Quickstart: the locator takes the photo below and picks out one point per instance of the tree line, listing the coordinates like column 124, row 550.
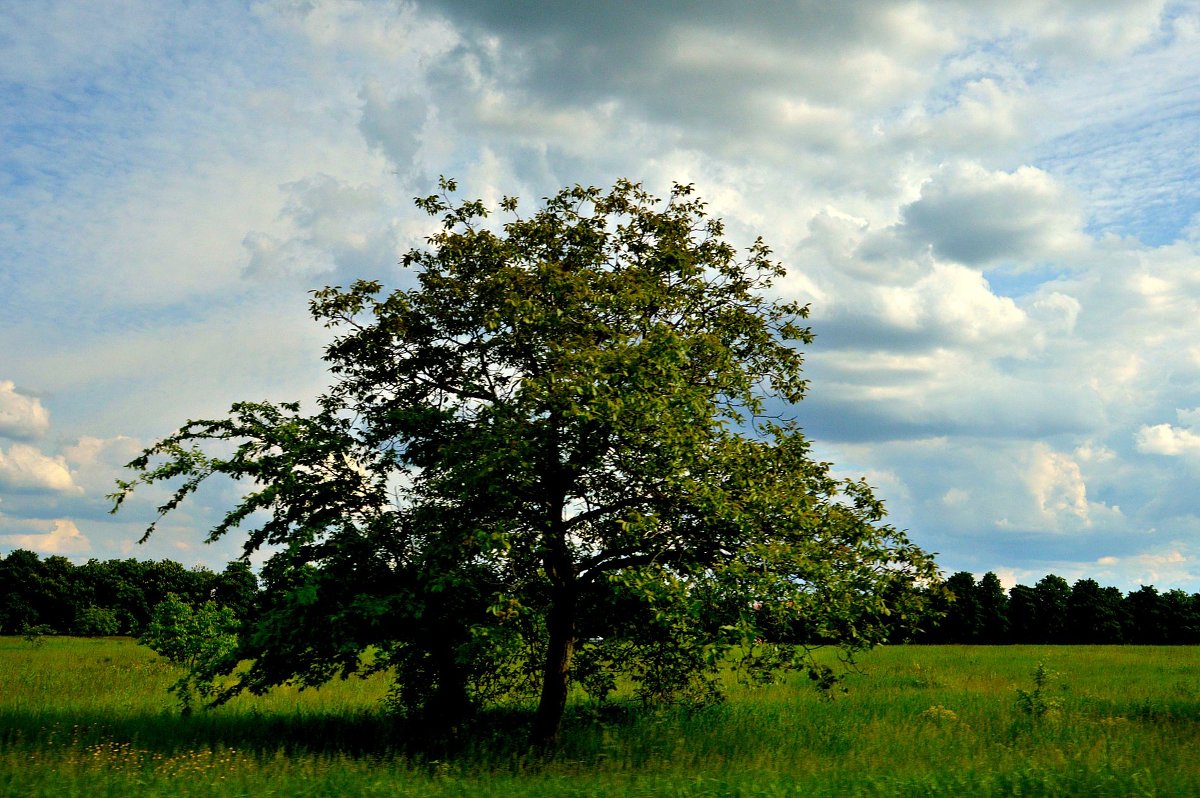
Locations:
column 1054, row 611
column 109, row 597
column 118, row 597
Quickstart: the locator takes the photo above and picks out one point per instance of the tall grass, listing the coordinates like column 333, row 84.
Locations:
column 92, row 718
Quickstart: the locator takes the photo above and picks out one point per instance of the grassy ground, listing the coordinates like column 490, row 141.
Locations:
column 91, row 718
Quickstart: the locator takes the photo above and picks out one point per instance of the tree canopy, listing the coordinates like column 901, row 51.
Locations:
column 567, row 451
column 111, row 596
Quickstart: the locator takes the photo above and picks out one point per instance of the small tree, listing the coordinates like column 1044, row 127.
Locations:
column 202, row 640
column 574, row 427
column 97, row 622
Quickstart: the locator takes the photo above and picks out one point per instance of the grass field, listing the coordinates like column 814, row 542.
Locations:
column 90, row 717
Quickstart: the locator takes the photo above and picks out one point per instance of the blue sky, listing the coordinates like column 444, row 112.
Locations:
column 993, row 208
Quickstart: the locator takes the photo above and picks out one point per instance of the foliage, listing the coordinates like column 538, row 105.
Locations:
column 108, row 597
column 576, row 426
column 202, row 640
column 97, row 622
column 1037, row 703
column 1095, row 614
column 993, row 609
column 962, row 619
column 1051, row 595
column 1052, row 612
column 34, row 635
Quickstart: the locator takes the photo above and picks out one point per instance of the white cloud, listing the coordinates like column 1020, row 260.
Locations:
column 21, row 417
column 986, row 120
column 60, row 536
column 333, row 226
column 1057, row 485
column 1167, row 568
column 97, row 463
column 1057, row 312
column 25, row 468
column 1168, row 440
column 956, row 497
column 975, row 216
column 1083, row 31
column 1164, row 567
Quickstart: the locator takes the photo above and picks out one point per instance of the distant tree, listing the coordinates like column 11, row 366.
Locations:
column 1180, row 618
column 1193, row 636
column 96, row 622
column 1146, row 619
column 20, row 591
column 993, row 609
column 584, row 407
column 117, row 586
column 962, row 623
column 1093, row 614
column 237, row 588
column 1051, row 594
column 1114, row 599
column 55, row 593
column 1024, row 625
column 36, row 592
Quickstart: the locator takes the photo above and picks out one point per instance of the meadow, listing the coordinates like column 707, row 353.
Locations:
column 90, row 717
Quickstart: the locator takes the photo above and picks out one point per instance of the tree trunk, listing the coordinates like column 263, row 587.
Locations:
column 560, row 624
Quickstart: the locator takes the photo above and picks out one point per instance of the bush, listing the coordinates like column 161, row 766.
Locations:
column 200, row 639
column 97, row 622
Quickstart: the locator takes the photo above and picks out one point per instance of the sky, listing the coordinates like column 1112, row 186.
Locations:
column 993, row 209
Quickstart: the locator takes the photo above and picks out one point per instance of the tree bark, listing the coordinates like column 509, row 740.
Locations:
column 563, row 577
column 560, row 626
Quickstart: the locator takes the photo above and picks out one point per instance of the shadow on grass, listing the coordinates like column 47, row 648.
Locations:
column 495, row 735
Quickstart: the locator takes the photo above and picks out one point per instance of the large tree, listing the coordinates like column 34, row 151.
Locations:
column 566, row 451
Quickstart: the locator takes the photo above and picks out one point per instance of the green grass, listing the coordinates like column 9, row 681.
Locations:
column 91, row 718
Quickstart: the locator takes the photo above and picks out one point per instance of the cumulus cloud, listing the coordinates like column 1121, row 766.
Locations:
column 974, row 216
column 25, row 468
column 59, row 536
column 1062, row 32
column 1164, row 567
column 1057, row 485
column 1168, row 440
column 21, row 417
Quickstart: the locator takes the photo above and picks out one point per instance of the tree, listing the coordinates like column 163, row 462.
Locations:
column 200, row 639
column 1051, row 594
column 1146, row 620
column 1181, row 618
column 36, row 592
column 20, row 591
column 237, row 588
column 570, row 438
column 96, row 622
column 962, row 622
column 993, row 609
column 1024, row 624
column 1093, row 614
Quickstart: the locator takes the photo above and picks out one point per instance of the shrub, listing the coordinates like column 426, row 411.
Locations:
column 97, row 622
column 200, row 639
